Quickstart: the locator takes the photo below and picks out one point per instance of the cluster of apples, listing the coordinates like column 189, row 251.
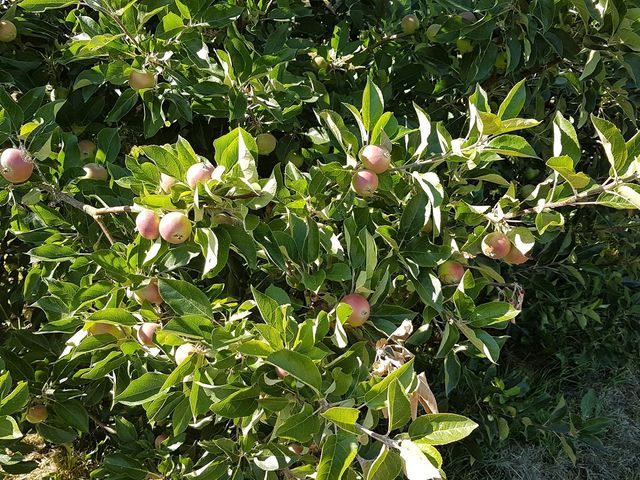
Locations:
column 375, row 159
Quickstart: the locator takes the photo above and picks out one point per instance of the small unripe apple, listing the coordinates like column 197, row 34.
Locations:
column 8, row 31
column 432, row 31
column 139, row 80
column 266, row 143
column 99, row 328
column 167, row 182
column 37, row 414
column 183, row 352
column 451, row 272
column 59, row 93
column 150, row 293
column 496, row 245
column 501, row 62
column 175, row 227
column 464, row 45
column 146, row 332
column 360, row 309
column 365, row 182
column 531, row 173
column 468, row 17
column 295, row 158
column 320, row 63
column 281, row 372
column 87, row 149
column 93, row 171
column 15, row 165
column 148, row 224
column 198, row 173
column 159, row 439
column 375, row 158
column 515, row 257
column 428, row 227
column 410, row 24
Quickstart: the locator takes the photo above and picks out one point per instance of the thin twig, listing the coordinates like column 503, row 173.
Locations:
column 102, row 425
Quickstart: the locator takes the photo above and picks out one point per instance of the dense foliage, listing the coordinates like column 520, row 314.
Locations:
column 282, row 239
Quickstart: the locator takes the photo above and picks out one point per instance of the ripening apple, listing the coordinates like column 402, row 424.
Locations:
column 451, row 272
column 375, row 158
column 146, row 332
column 295, row 158
column 365, row 182
column 148, row 224
column 167, row 182
column 142, row 79
column 501, row 62
column 496, row 245
column 266, row 143
column 99, row 328
column 8, row 31
column 515, row 257
column 296, row 448
column 159, row 440
column 360, row 309
column 198, row 173
column 15, row 165
column 37, row 414
column 281, row 372
column 93, row 171
column 175, row 227
column 468, row 17
column 150, row 293
column 410, row 24
column 320, row 63
column 464, row 45
column 87, row 149
column 183, row 352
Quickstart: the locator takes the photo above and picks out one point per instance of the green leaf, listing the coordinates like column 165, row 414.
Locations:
column 73, row 414
column 184, row 297
column 441, row 428
column 16, row 400
column 512, row 105
column 123, row 105
column 240, row 403
column 564, row 166
column 299, row 366
column 399, row 406
column 624, row 196
column 546, row 220
column 344, row 418
column 425, row 130
column 108, row 145
column 214, row 249
column 415, row 464
column 117, row 316
column 450, row 337
column 386, row 466
column 376, row 398
column 41, row 5
column 53, row 253
column 510, row 145
column 142, row 389
column 565, row 140
column 269, row 309
column 9, row 429
column 299, row 427
column 372, row 104
column 338, row 452
column 613, row 143
column 484, row 342
column 494, row 312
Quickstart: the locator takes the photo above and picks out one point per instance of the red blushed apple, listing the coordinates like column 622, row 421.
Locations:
column 8, row 31
column 139, row 80
column 37, row 414
column 197, row 173
column 175, row 228
column 15, row 165
column 451, row 272
column 159, row 440
column 146, row 332
column 87, row 149
column 150, row 293
column 266, row 143
column 296, row 448
column 496, row 245
column 410, row 24
column 281, row 372
column 183, row 352
column 93, row 171
column 167, row 182
column 148, row 224
column 375, row 158
column 365, row 182
column 360, row 309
